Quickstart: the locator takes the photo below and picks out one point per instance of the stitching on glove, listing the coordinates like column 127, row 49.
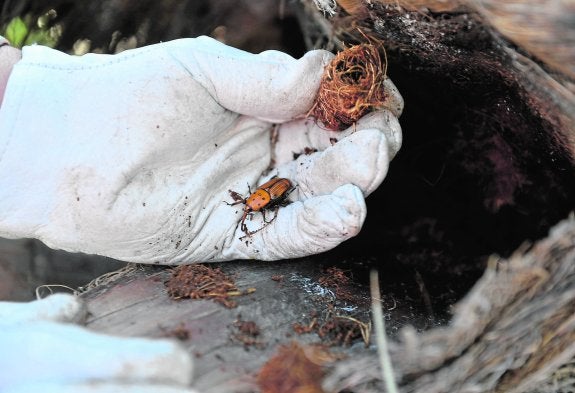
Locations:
column 11, row 116
column 116, row 59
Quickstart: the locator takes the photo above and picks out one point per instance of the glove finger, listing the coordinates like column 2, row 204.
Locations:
column 60, row 352
column 304, row 227
column 59, row 307
column 94, row 387
column 304, row 136
column 361, row 159
column 393, row 99
column 271, row 86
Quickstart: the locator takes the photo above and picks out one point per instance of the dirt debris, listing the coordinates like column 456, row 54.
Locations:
column 335, row 330
column 199, row 281
column 248, row 333
column 306, row 151
column 278, row 278
column 180, row 332
column 339, row 281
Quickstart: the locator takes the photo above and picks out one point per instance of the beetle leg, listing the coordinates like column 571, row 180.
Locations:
column 234, row 203
column 249, row 234
column 290, row 191
column 237, row 197
column 266, row 223
column 243, row 222
column 284, row 201
column 276, row 210
column 275, row 215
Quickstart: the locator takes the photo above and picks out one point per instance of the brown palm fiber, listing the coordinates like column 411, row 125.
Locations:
column 351, row 86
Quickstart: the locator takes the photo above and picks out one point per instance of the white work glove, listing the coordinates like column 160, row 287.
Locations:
column 42, row 351
column 131, row 156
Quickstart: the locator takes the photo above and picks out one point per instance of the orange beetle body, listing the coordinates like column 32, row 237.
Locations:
column 272, row 193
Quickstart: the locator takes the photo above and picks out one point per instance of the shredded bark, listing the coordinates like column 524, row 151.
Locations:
column 202, row 282
column 514, row 331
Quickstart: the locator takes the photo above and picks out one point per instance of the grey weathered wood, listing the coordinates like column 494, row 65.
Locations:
column 137, row 304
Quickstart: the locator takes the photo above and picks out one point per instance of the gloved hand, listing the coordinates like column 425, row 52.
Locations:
column 132, row 155
column 43, row 351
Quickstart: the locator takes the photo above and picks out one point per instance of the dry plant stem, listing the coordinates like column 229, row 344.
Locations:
column 49, row 287
column 110, row 277
column 351, row 86
column 364, row 328
column 380, row 338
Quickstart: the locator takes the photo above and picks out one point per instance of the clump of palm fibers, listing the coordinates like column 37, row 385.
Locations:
column 351, row 86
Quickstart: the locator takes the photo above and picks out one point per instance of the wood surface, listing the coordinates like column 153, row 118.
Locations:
column 137, row 305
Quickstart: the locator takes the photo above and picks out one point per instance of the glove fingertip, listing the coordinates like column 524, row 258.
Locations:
column 61, row 307
column 305, row 228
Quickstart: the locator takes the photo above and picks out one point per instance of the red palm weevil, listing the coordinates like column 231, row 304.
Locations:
column 270, row 195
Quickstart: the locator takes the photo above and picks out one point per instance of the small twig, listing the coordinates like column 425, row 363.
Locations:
column 425, row 295
column 380, row 337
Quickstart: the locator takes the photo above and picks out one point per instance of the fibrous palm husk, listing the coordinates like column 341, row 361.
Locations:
column 351, row 86
column 514, row 331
